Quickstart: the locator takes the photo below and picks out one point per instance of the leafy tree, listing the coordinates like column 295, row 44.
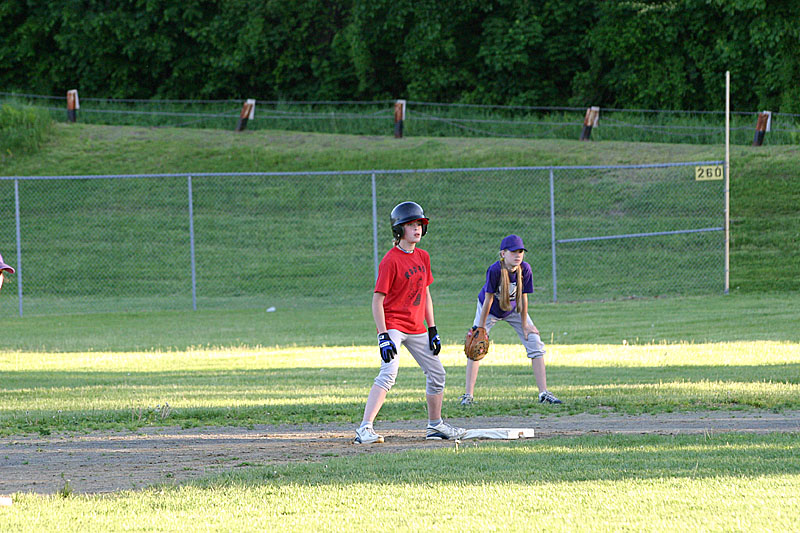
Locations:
column 669, row 54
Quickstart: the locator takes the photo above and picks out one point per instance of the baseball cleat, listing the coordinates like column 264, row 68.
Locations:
column 548, row 397
column 367, row 435
column 444, row 431
column 467, row 400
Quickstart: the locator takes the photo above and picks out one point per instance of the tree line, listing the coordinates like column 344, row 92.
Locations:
column 652, row 54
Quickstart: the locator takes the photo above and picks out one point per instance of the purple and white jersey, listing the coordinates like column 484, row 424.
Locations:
column 492, row 286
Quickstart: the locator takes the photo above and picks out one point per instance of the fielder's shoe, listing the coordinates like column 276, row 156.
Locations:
column 466, row 400
column 367, row 435
column 443, row 431
column 548, row 397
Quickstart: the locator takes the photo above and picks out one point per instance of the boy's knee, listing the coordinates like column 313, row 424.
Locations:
column 433, row 389
column 386, row 381
column 435, row 380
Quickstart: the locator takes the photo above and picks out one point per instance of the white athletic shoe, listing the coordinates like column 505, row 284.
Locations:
column 443, row 430
column 548, row 397
column 367, row 435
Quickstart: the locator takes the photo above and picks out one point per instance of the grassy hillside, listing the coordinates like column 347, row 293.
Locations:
column 764, row 199
column 86, row 149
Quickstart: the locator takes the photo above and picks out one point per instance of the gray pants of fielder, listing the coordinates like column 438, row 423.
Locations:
column 420, row 349
column 533, row 343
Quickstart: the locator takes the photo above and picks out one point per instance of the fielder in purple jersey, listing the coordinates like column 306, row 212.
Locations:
column 3, row 269
column 504, row 296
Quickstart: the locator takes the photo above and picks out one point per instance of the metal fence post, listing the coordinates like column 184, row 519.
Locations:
column 191, row 246
column 553, row 236
column 727, row 186
column 19, row 247
column 374, row 226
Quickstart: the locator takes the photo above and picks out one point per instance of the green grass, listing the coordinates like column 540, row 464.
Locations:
column 71, row 391
column 705, row 319
column 23, row 129
column 91, row 149
column 75, row 373
column 635, row 483
column 606, row 483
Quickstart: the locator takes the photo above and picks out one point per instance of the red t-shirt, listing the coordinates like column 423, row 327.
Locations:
column 404, row 278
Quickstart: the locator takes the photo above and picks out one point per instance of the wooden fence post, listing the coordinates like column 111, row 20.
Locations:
column 763, row 125
column 399, row 117
column 72, row 105
column 248, row 113
column 590, row 121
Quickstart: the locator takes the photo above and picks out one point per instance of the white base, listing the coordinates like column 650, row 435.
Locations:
column 499, row 433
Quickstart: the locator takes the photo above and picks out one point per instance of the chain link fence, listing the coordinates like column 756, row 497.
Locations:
column 214, row 241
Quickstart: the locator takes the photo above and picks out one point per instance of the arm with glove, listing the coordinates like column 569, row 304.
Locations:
column 386, row 346
column 476, row 343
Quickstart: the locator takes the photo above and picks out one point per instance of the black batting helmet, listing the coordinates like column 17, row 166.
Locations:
column 407, row 212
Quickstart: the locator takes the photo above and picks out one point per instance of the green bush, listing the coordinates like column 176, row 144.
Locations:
column 23, row 129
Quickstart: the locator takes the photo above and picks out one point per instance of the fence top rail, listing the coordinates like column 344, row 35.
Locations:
column 358, row 172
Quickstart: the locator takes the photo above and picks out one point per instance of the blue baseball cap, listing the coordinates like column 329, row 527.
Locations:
column 4, row 266
column 512, row 242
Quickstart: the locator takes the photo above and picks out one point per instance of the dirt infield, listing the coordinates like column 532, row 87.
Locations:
column 102, row 462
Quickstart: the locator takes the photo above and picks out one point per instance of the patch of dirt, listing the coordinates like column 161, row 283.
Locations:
column 104, row 461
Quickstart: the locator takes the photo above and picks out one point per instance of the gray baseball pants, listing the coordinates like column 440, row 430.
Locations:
column 533, row 343
column 419, row 348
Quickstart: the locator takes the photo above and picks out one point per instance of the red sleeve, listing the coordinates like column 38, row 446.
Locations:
column 386, row 274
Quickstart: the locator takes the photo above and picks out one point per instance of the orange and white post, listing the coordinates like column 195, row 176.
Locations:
column 248, row 113
column 73, row 104
column 399, row 117
column 591, row 120
column 763, row 125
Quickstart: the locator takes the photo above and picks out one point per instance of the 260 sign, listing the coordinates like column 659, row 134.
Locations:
column 709, row 172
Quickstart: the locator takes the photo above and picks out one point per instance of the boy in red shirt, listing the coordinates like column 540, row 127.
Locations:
column 401, row 305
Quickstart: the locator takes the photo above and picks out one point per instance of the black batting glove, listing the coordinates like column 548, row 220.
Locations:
column 434, row 341
column 387, row 347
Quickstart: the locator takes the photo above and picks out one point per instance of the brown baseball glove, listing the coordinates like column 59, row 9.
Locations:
column 476, row 345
